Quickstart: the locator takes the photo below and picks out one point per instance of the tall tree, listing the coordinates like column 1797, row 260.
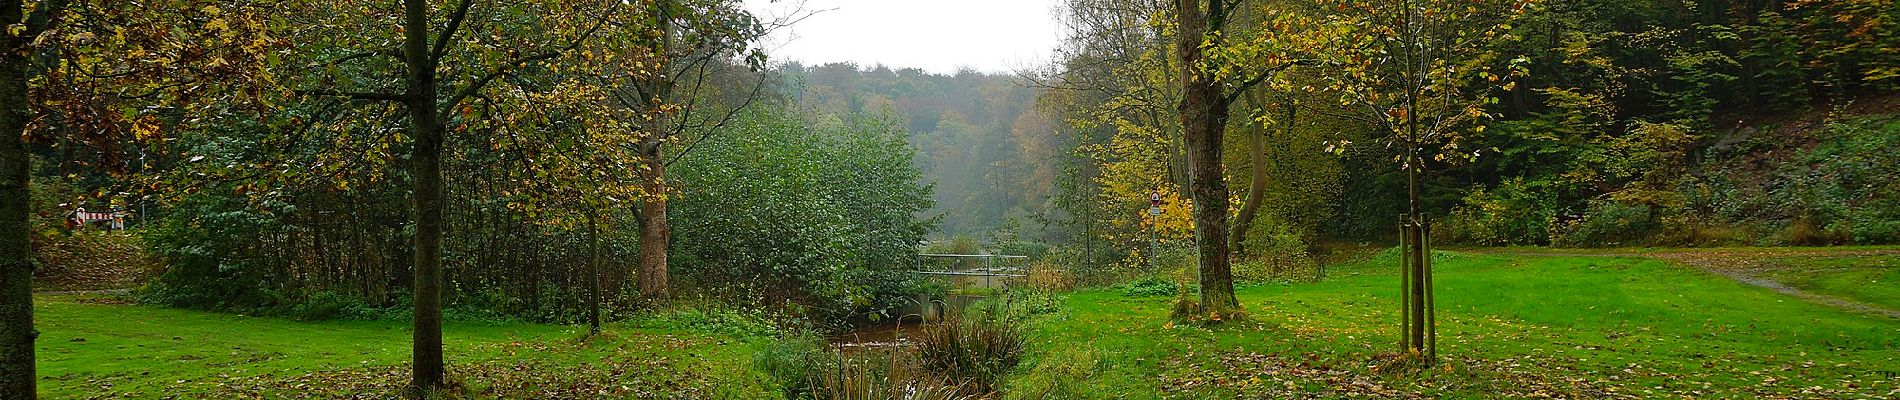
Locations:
column 16, row 256
column 692, row 40
column 534, row 38
column 1214, row 74
column 100, row 74
column 1421, row 71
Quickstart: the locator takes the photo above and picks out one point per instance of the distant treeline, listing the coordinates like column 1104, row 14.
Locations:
column 992, row 154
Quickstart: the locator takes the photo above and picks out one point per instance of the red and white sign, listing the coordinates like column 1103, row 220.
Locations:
column 115, row 220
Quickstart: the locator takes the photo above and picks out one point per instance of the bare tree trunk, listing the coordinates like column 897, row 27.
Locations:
column 17, row 370
column 425, row 168
column 1419, row 284
column 593, row 270
column 1203, row 119
column 16, row 257
column 1415, row 244
column 1256, row 185
column 654, row 231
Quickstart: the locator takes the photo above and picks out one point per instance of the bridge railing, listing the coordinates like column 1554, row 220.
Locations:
column 988, row 265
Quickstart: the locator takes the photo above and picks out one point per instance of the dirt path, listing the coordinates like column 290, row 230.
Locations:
column 85, row 292
column 1746, row 266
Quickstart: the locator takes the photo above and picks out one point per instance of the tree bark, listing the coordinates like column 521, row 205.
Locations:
column 16, row 257
column 1256, row 186
column 1203, row 111
column 1419, row 290
column 654, row 231
column 425, row 168
column 17, row 334
column 593, row 271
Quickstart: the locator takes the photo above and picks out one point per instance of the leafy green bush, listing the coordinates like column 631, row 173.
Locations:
column 818, row 217
column 1275, row 252
column 1151, row 286
column 1513, row 213
column 1847, row 186
column 328, row 306
column 1608, row 224
column 205, row 269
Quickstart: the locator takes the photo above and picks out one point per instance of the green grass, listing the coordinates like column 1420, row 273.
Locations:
column 1510, row 326
column 93, row 350
column 1869, row 279
column 1743, row 250
column 1587, row 326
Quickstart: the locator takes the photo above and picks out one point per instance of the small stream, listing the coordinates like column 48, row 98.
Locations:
column 878, row 336
column 899, row 333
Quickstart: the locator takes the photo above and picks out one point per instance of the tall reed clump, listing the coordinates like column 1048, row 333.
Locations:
column 973, row 352
column 805, row 369
column 889, row 375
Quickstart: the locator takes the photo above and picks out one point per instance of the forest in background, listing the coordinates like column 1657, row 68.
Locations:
column 1628, row 123
column 593, row 161
column 992, row 155
column 1573, row 123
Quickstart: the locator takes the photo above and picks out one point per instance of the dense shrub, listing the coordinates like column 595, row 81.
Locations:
column 816, row 217
column 208, row 266
column 1848, row 184
column 1513, row 213
column 1047, row 275
column 1151, row 286
column 230, row 247
column 1085, row 265
column 328, row 306
column 1607, row 224
column 1276, row 252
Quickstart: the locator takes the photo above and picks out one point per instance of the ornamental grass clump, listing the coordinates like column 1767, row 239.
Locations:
column 973, row 352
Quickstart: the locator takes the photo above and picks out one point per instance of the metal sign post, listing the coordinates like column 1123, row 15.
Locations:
column 1154, row 227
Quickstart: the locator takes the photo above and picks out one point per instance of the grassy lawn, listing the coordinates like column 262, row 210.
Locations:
column 1510, row 326
column 90, row 348
column 1869, row 279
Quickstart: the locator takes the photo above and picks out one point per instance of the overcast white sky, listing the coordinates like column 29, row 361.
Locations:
column 936, row 35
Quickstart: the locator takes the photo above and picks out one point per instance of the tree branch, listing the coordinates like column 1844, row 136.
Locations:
column 362, row 55
column 375, row 96
column 455, row 23
column 756, row 88
column 517, row 63
column 43, row 18
column 1241, row 88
